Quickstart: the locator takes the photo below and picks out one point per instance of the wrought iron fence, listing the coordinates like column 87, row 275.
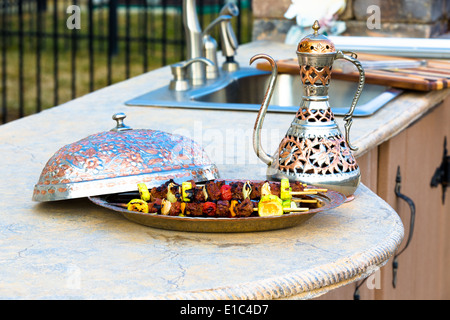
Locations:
column 53, row 51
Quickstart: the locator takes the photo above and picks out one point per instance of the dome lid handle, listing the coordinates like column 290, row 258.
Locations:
column 120, row 126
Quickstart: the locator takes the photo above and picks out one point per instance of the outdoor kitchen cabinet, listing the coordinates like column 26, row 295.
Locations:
column 416, row 152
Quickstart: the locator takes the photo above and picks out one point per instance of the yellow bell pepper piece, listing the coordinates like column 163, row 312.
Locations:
column 285, row 190
column 183, row 208
column 286, row 203
column 143, row 191
column 185, row 186
column 270, row 205
column 138, row 205
column 232, row 205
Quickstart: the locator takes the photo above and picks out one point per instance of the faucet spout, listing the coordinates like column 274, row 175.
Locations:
column 196, row 72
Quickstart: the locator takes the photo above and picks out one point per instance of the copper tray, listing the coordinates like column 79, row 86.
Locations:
column 330, row 199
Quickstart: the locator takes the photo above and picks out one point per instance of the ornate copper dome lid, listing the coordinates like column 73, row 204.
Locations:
column 316, row 43
column 117, row 160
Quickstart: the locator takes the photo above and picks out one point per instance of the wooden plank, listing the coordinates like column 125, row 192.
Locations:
column 445, row 207
column 434, row 76
column 368, row 165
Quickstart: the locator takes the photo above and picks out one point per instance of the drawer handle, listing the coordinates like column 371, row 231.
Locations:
column 442, row 174
column 412, row 208
column 398, row 181
column 356, row 294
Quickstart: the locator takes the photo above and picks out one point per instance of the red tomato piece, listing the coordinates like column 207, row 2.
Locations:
column 209, row 208
column 225, row 191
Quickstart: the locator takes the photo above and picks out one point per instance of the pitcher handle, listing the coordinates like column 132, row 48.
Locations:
column 348, row 118
column 257, row 146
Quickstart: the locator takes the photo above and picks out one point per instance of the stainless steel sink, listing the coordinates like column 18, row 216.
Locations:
column 244, row 90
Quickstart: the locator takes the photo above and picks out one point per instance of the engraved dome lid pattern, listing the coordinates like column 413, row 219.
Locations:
column 316, row 43
column 115, row 161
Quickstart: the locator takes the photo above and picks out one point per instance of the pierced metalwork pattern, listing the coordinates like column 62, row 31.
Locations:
column 317, row 155
column 315, row 115
column 310, row 74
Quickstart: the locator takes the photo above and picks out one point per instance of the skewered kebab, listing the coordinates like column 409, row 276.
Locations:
column 197, row 201
column 233, row 190
column 218, row 199
column 270, row 205
column 219, row 190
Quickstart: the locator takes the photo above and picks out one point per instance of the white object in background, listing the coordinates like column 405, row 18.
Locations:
column 306, row 12
column 405, row 47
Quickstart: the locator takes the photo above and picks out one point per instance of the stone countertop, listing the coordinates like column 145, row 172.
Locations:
column 74, row 249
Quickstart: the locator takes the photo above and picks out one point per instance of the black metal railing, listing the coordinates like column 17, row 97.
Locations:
column 52, row 51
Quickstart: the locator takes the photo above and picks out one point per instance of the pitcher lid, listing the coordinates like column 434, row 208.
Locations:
column 117, row 160
column 316, row 43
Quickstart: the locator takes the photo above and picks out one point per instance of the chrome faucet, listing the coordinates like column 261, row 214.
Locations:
column 202, row 45
column 196, row 71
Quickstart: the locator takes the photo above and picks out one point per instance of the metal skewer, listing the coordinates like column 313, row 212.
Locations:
column 290, row 209
column 305, row 200
column 121, row 205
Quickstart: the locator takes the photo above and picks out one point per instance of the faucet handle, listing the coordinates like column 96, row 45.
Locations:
column 229, row 47
column 179, row 70
column 230, row 43
column 230, row 9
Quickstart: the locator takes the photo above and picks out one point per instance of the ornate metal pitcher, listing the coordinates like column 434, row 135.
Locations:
column 313, row 151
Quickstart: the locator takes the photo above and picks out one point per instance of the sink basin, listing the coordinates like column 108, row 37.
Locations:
column 244, row 90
